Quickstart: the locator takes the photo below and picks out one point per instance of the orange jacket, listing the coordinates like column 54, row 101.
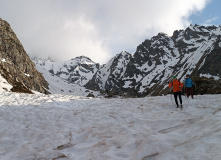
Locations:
column 177, row 85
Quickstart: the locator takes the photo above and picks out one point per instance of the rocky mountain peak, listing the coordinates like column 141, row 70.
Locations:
column 195, row 50
column 83, row 59
column 16, row 66
column 106, row 78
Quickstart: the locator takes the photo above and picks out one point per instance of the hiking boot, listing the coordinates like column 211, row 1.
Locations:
column 177, row 106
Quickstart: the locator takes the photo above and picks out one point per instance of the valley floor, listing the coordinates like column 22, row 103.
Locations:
column 64, row 127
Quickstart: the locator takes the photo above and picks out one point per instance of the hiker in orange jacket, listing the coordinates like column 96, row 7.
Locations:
column 177, row 90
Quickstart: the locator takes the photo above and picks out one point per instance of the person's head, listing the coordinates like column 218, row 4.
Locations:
column 187, row 76
column 174, row 78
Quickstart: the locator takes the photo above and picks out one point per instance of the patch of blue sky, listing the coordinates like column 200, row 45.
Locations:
column 210, row 15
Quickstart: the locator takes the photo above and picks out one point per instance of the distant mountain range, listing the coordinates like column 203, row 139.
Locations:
column 195, row 51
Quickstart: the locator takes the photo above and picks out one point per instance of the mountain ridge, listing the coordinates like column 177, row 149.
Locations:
column 195, row 51
column 188, row 51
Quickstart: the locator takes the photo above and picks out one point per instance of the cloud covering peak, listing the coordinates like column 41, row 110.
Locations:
column 98, row 29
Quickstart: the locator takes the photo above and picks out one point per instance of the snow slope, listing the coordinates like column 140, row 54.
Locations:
column 78, row 128
column 4, row 85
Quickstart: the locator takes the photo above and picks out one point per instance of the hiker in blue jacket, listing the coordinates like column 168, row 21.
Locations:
column 189, row 86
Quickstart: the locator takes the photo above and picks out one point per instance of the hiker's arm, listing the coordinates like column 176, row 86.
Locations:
column 170, row 84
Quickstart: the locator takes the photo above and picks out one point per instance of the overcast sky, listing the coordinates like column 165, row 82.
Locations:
column 99, row 29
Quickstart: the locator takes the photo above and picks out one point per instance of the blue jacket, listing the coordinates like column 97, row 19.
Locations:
column 189, row 82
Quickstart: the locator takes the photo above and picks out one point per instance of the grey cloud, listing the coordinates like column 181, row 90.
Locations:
column 98, row 29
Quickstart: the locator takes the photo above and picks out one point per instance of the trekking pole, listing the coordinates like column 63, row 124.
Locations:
column 171, row 96
column 195, row 88
column 187, row 98
column 185, row 94
column 184, row 89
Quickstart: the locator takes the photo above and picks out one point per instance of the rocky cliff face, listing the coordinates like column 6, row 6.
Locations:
column 16, row 66
column 109, row 75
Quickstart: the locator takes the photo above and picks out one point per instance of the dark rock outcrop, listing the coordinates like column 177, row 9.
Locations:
column 207, row 85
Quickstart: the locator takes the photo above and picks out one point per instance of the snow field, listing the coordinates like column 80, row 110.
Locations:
column 78, row 128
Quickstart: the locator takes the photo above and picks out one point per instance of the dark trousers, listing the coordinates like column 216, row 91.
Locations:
column 175, row 97
column 189, row 91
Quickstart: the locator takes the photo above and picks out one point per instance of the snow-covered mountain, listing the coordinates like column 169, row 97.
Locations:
column 108, row 76
column 195, row 50
column 78, row 70
column 68, row 77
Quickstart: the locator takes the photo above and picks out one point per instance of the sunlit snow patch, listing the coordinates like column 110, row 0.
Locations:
column 28, row 75
column 3, row 60
column 4, row 85
column 209, row 76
